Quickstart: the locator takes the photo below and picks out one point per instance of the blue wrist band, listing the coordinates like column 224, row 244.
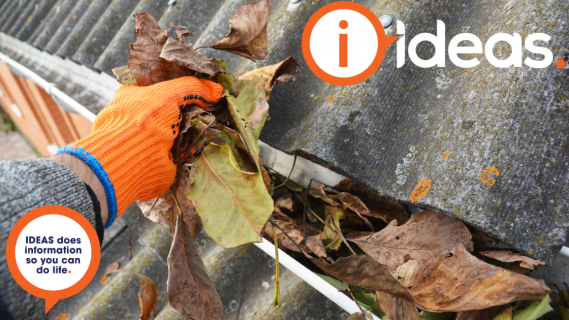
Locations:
column 101, row 174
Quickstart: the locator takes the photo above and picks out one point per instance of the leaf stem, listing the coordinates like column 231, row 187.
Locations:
column 339, row 232
column 356, row 301
column 177, row 203
column 277, row 298
column 286, row 180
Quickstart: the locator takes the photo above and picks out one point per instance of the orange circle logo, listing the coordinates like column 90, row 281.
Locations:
column 45, row 245
column 344, row 43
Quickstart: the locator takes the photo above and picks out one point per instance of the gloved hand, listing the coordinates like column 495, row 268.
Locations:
column 129, row 147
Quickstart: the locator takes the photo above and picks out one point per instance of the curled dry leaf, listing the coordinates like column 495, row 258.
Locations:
column 248, row 34
column 124, row 75
column 184, row 55
column 364, row 272
column 145, row 62
column 234, row 205
column 147, row 297
column 343, row 200
column 249, row 112
column 313, row 238
column 285, row 71
column 509, row 256
column 182, row 32
column 165, row 211
column 426, row 234
column 458, row 281
column 380, row 207
column 286, row 202
column 190, row 290
column 112, row 268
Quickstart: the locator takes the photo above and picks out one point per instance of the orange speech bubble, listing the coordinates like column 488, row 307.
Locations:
column 383, row 42
column 53, row 214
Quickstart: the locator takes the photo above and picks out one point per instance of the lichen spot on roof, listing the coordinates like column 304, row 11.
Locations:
column 421, row 190
column 488, row 176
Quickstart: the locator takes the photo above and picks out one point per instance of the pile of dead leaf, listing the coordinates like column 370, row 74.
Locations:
column 394, row 265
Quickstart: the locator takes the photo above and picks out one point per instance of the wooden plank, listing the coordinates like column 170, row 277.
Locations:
column 43, row 113
column 82, row 125
column 60, row 117
column 27, row 123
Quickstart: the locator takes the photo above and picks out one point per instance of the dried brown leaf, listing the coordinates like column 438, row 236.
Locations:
column 248, row 34
column 458, row 281
column 184, row 55
column 364, row 272
column 147, row 297
column 484, row 314
column 313, row 238
column 285, row 71
column 509, row 256
column 144, row 61
column 374, row 200
column 182, row 32
column 286, row 202
column 397, row 307
column 190, row 290
column 112, row 268
column 388, row 215
column 165, row 211
column 426, row 234
column 345, row 201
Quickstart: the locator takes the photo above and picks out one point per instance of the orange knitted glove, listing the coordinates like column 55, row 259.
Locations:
column 129, row 148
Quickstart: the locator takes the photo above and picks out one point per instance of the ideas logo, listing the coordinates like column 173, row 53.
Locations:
column 344, row 43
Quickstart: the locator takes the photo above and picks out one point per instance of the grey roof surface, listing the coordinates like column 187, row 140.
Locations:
column 390, row 131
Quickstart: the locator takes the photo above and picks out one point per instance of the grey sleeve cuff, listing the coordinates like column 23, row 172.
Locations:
column 26, row 185
column 29, row 184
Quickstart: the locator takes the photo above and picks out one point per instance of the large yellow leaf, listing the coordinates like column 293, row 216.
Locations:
column 234, row 205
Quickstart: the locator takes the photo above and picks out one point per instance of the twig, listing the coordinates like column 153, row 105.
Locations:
column 177, row 203
column 277, row 298
column 306, row 204
column 356, row 301
column 240, row 297
column 296, row 244
column 342, row 236
column 286, row 180
column 353, row 291
column 197, row 138
column 316, row 215
column 131, row 231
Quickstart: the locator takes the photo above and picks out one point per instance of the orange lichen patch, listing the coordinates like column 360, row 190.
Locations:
column 421, row 190
column 446, row 154
column 330, row 98
column 464, row 74
column 81, row 309
column 104, row 279
column 488, row 176
column 61, row 316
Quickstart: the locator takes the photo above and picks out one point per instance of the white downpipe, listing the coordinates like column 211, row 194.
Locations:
column 304, row 170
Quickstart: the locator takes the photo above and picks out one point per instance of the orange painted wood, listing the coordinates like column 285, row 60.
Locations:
column 82, row 125
column 42, row 113
column 28, row 123
column 60, row 117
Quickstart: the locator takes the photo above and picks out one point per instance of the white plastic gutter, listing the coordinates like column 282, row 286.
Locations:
column 304, row 171
column 61, row 98
column 277, row 159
